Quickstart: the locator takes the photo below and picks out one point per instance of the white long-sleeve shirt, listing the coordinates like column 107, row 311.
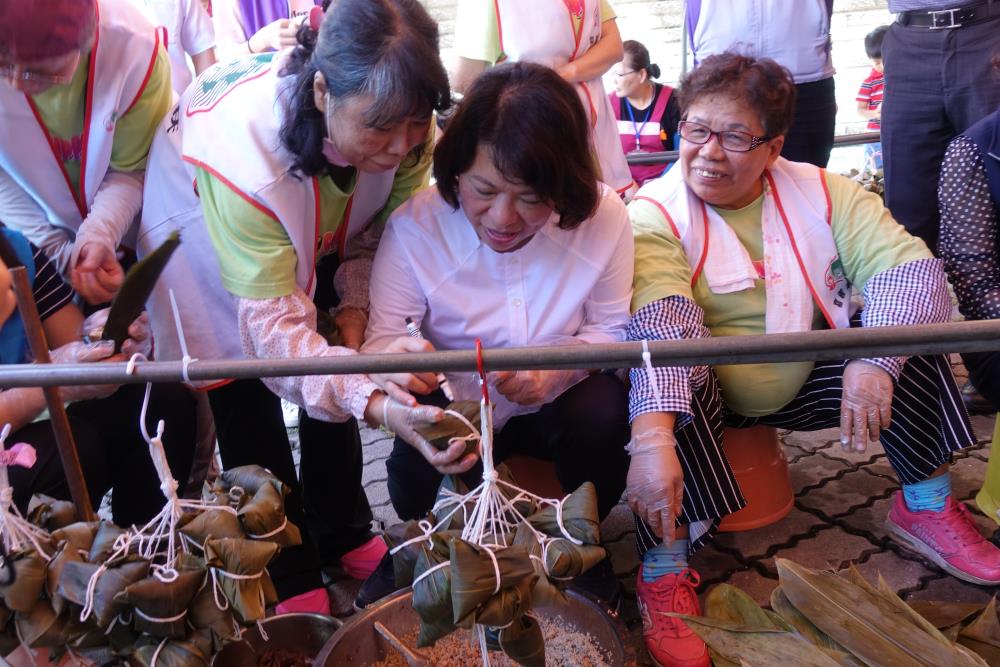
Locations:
column 562, row 287
column 188, row 29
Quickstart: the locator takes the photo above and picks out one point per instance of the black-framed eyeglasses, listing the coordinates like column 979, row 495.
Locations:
column 730, row 140
column 619, row 75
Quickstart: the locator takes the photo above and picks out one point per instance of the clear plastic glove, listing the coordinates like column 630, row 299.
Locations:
column 140, row 336
column 96, row 274
column 79, row 352
column 655, row 483
column 866, row 405
column 400, row 385
column 533, row 387
column 403, row 421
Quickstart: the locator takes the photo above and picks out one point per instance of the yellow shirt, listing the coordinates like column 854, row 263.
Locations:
column 256, row 257
column 62, row 111
column 477, row 36
column 868, row 240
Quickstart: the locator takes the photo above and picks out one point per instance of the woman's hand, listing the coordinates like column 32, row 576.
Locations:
column 655, row 482
column 96, row 275
column 140, row 338
column 78, row 352
column 399, row 385
column 351, row 323
column 275, row 36
column 866, row 405
column 531, row 387
column 404, row 420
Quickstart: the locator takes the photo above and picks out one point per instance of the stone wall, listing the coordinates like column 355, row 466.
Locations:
column 657, row 24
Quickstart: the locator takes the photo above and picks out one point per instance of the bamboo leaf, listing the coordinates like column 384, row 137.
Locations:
column 756, row 646
column 986, row 627
column 946, row 614
column 802, row 625
column 728, row 603
column 889, row 595
column 135, row 290
column 866, row 624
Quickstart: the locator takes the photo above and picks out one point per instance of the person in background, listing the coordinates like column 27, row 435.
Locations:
column 104, row 419
column 257, row 26
column 577, row 38
column 938, row 82
column 796, row 35
column 186, row 30
column 517, row 244
column 740, row 241
column 286, row 227
column 81, row 93
column 646, row 111
column 969, row 197
column 869, row 97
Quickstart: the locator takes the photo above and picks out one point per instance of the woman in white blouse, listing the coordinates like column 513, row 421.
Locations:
column 517, row 244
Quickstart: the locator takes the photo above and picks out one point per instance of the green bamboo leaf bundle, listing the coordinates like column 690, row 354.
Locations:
column 76, row 576
column 104, row 542
column 212, row 524
column 474, row 576
column 432, row 598
column 250, row 478
column 440, row 433
column 523, row 643
column 866, row 624
column 546, row 592
column 50, row 514
column 160, row 608
column 248, row 597
column 196, row 651
column 131, row 298
column 579, row 516
column 23, row 593
column 757, row 646
column 41, row 627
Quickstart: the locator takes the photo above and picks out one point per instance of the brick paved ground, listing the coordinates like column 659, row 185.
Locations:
column 841, row 500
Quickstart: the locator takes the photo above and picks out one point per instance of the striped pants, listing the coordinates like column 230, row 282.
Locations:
column 929, row 422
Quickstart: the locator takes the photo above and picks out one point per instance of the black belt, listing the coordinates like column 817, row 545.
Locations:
column 951, row 18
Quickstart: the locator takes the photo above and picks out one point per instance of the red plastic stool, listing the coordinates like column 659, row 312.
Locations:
column 535, row 475
column 760, row 466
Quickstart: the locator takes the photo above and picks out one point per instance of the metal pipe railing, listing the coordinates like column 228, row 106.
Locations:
column 671, row 156
column 977, row 336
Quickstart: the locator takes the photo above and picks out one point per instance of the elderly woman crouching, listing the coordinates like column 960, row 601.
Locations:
column 738, row 241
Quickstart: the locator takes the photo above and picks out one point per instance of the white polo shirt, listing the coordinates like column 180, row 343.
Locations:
column 188, row 31
column 561, row 285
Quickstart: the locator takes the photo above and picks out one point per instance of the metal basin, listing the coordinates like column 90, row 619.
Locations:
column 305, row 633
column 358, row 644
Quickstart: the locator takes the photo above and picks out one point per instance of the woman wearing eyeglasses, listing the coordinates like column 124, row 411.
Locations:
column 740, row 241
column 83, row 85
column 646, row 111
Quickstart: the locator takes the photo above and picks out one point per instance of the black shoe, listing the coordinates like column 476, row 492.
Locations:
column 381, row 583
column 601, row 585
column 975, row 402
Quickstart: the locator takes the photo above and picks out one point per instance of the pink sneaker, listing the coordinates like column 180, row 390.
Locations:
column 949, row 538
column 360, row 562
column 669, row 641
column 315, row 601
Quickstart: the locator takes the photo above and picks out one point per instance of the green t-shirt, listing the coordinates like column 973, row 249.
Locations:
column 477, row 36
column 256, row 257
column 868, row 239
column 62, row 111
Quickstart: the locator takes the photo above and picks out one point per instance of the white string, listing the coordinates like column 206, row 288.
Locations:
column 496, row 569
column 272, row 533
column 647, row 361
column 155, row 619
column 156, row 653
column 186, row 359
column 24, row 644
column 429, row 571
column 263, row 632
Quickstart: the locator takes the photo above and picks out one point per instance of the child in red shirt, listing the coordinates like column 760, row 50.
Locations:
column 870, row 96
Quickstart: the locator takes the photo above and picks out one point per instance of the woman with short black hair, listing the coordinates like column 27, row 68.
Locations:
column 298, row 159
column 518, row 244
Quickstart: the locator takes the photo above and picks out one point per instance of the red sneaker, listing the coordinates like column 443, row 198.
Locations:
column 315, row 601
column 670, row 642
column 950, row 538
column 360, row 562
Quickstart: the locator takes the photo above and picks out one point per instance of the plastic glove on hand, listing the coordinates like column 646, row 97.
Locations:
column 404, row 420
column 866, row 404
column 655, row 483
column 400, row 385
column 78, row 352
column 140, row 336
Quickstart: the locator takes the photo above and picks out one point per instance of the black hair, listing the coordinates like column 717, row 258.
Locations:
column 536, row 131
column 873, row 42
column 384, row 48
column 637, row 58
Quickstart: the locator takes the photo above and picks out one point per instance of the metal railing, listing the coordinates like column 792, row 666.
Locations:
column 978, row 336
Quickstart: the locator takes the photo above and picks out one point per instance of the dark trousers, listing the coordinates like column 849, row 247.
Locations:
column 810, row 138
column 937, row 84
column 583, row 432
column 251, row 430
column 112, row 453
column 928, row 423
column 984, row 373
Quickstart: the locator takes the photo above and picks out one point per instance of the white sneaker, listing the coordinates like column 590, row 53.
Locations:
column 291, row 414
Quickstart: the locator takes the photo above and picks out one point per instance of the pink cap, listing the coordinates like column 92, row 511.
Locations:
column 32, row 30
